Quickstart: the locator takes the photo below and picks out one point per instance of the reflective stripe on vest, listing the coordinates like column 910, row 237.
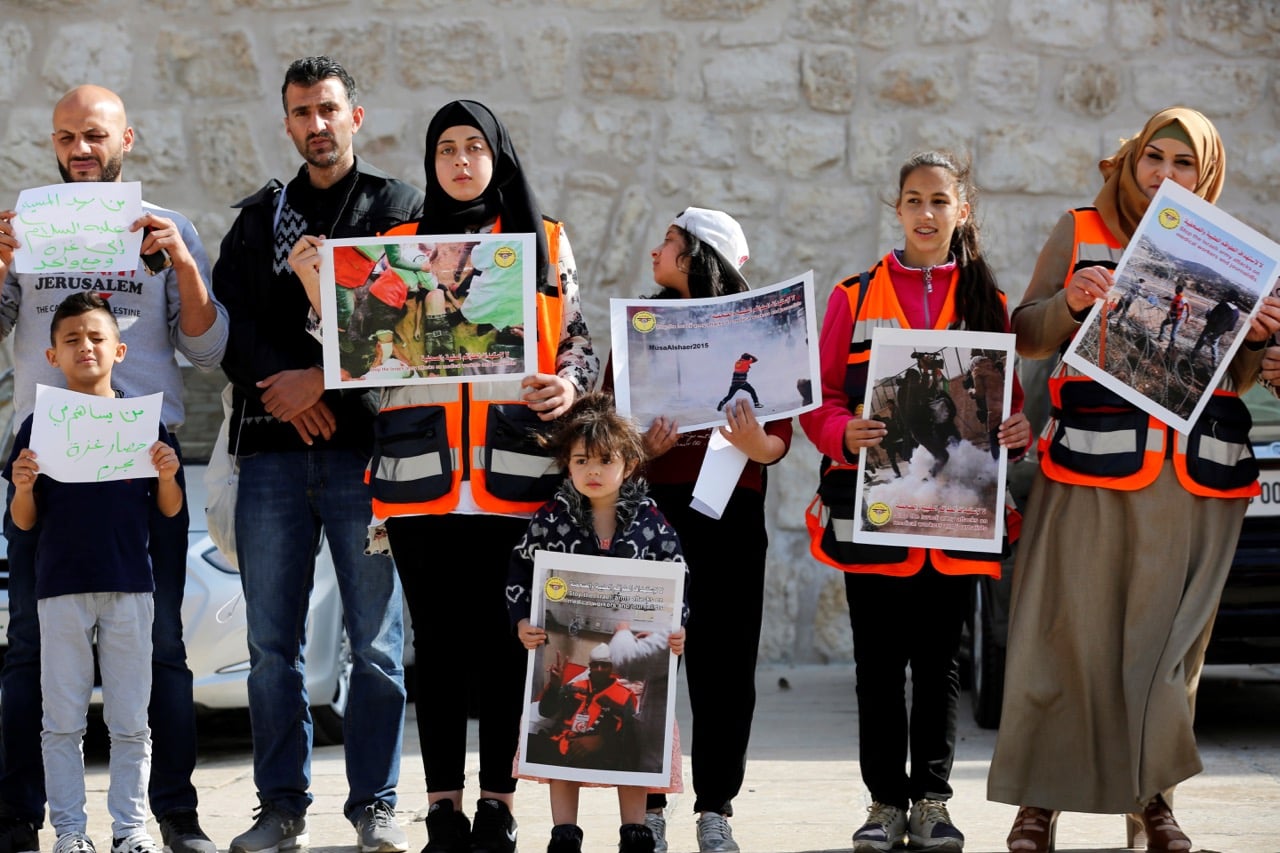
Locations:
column 1095, row 244
column 469, row 452
column 879, row 308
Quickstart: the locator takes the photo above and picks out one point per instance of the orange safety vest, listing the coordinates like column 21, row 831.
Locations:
column 1097, row 438
column 428, row 439
column 829, row 517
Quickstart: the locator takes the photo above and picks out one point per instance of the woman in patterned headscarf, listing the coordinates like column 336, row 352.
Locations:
column 1106, row 643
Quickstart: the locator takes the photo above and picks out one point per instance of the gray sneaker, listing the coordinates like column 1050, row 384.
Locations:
column 657, row 824
column 929, row 827
column 378, row 832
column 714, row 834
column 272, row 831
column 884, row 830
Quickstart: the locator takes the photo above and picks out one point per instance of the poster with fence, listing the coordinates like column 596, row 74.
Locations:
column 1179, row 307
column 937, row 480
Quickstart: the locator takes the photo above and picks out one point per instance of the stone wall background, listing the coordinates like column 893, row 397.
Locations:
column 794, row 116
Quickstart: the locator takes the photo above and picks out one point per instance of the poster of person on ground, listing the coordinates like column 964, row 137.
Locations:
column 1179, row 307
column 427, row 309
column 600, row 693
column 686, row 359
column 937, row 480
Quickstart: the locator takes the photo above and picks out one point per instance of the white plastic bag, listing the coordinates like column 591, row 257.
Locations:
column 222, row 480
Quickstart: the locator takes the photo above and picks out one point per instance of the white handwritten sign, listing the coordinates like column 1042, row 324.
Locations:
column 78, row 227
column 81, row 438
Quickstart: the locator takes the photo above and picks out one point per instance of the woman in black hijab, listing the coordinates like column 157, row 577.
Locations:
column 452, row 528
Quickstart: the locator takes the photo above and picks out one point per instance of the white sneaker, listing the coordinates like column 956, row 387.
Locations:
column 73, row 842
column 884, row 829
column 138, row 841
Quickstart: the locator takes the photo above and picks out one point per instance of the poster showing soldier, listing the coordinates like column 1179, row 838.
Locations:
column 427, row 309
column 600, row 693
column 1179, row 307
column 937, row 480
column 686, row 359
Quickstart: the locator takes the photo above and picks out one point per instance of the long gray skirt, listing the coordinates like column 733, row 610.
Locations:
column 1114, row 596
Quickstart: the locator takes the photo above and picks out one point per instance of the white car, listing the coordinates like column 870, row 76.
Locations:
column 216, row 635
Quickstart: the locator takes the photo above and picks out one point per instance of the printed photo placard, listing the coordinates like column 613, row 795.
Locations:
column 937, row 480
column 600, row 693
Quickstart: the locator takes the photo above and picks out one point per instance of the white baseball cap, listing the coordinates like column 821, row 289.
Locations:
column 601, row 653
column 718, row 230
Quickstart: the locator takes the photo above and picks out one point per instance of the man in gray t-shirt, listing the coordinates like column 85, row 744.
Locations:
column 160, row 314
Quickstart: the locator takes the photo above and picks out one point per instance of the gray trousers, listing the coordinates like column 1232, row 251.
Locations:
column 122, row 621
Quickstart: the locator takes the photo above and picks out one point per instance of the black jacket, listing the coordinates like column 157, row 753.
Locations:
column 268, row 322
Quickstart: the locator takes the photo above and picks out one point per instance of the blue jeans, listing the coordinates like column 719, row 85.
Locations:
column 283, row 503
column 173, row 716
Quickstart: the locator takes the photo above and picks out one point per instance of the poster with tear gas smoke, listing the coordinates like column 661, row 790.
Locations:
column 687, row 359
column 600, row 700
column 937, row 480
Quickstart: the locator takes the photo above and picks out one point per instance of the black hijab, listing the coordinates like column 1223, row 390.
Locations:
column 508, row 194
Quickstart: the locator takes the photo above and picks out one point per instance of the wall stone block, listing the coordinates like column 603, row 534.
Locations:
column 160, row 154
column 797, row 146
column 227, row 157
column 640, row 64
column 428, row 55
column 26, row 157
column 1215, row 88
column 1053, row 24
column 363, row 50
column 201, row 65
column 710, row 10
column 544, row 58
column 615, row 134
column 1140, row 24
column 1004, row 81
column 1232, row 27
column 829, row 76
column 704, row 138
column 756, row 79
column 98, row 51
column 873, row 23
column 15, row 50
column 1090, row 89
column 1039, row 160
column 956, row 21
column 908, row 80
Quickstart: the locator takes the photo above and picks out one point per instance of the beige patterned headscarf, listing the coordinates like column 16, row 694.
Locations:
column 1121, row 202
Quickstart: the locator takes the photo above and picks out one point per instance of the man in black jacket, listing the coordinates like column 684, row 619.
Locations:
column 302, row 452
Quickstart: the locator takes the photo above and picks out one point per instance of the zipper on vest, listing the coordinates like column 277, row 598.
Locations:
column 928, row 289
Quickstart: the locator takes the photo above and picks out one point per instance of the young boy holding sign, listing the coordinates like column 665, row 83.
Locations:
column 85, row 582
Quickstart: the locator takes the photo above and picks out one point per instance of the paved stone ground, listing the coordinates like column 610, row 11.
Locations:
column 802, row 792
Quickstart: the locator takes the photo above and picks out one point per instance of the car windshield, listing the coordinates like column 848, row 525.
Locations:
column 1265, row 409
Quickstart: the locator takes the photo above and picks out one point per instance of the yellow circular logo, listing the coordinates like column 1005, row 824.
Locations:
column 555, row 589
column 504, row 256
column 1169, row 218
column 879, row 513
column 644, row 322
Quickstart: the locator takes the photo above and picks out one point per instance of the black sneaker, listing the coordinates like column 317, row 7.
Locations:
column 180, row 832
column 493, row 828
column 448, row 830
column 565, row 838
column 635, row 838
column 17, row 835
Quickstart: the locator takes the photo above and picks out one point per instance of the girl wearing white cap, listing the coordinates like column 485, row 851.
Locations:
column 700, row 255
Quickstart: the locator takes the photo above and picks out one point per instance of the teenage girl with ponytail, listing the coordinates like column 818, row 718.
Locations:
column 906, row 605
